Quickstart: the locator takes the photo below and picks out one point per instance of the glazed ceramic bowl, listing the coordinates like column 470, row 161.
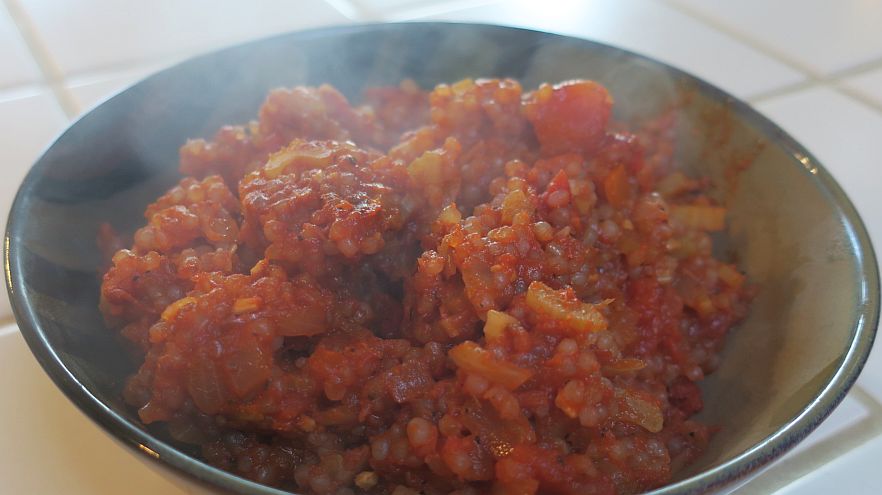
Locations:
column 792, row 228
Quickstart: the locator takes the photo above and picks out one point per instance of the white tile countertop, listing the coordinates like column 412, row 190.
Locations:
column 813, row 66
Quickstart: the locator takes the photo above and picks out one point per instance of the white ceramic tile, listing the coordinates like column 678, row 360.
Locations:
column 822, row 35
column 27, row 124
column 848, row 413
column 838, row 433
column 854, row 473
column 871, row 376
column 868, row 85
column 122, row 32
column 397, row 10
column 381, row 5
column 651, row 28
column 844, row 135
column 347, row 8
column 92, row 89
column 49, row 446
column 18, row 65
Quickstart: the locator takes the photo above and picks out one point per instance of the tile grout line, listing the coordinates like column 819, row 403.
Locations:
column 811, row 80
column 870, row 428
column 799, row 465
column 426, row 9
column 48, row 67
column 155, row 63
column 856, row 70
column 868, row 401
column 833, row 80
column 783, row 90
column 790, row 469
column 834, row 84
column 9, row 328
column 840, row 86
column 349, row 8
column 743, row 38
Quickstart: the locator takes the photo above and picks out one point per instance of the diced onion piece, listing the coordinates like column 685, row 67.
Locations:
column 247, row 305
column 497, row 322
column 571, row 398
column 450, row 215
column 471, row 358
column 701, row 217
column 564, row 308
column 174, row 308
column 640, row 411
column 305, row 155
column 277, row 164
column 463, row 87
column 730, row 276
column 616, row 187
column 674, row 184
column 515, row 202
column 625, row 365
column 427, row 168
column 308, row 320
column 204, row 386
column 306, row 423
column 303, row 324
column 247, row 368
column 366, row 480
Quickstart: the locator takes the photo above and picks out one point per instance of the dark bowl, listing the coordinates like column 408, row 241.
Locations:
column 791, row 227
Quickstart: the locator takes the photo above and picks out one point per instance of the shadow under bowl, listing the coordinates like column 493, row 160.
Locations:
column 791, row 227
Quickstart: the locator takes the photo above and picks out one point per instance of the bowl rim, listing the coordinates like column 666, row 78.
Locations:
column 738, row 467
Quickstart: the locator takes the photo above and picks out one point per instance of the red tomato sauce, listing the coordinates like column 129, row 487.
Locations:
column 468, row 290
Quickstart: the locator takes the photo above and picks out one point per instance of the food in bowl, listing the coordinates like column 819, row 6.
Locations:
column 468, row 290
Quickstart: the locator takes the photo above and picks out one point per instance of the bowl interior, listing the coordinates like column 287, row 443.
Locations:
column 790, row 227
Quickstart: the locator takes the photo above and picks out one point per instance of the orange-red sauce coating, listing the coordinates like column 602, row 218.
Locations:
column 468, row 290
